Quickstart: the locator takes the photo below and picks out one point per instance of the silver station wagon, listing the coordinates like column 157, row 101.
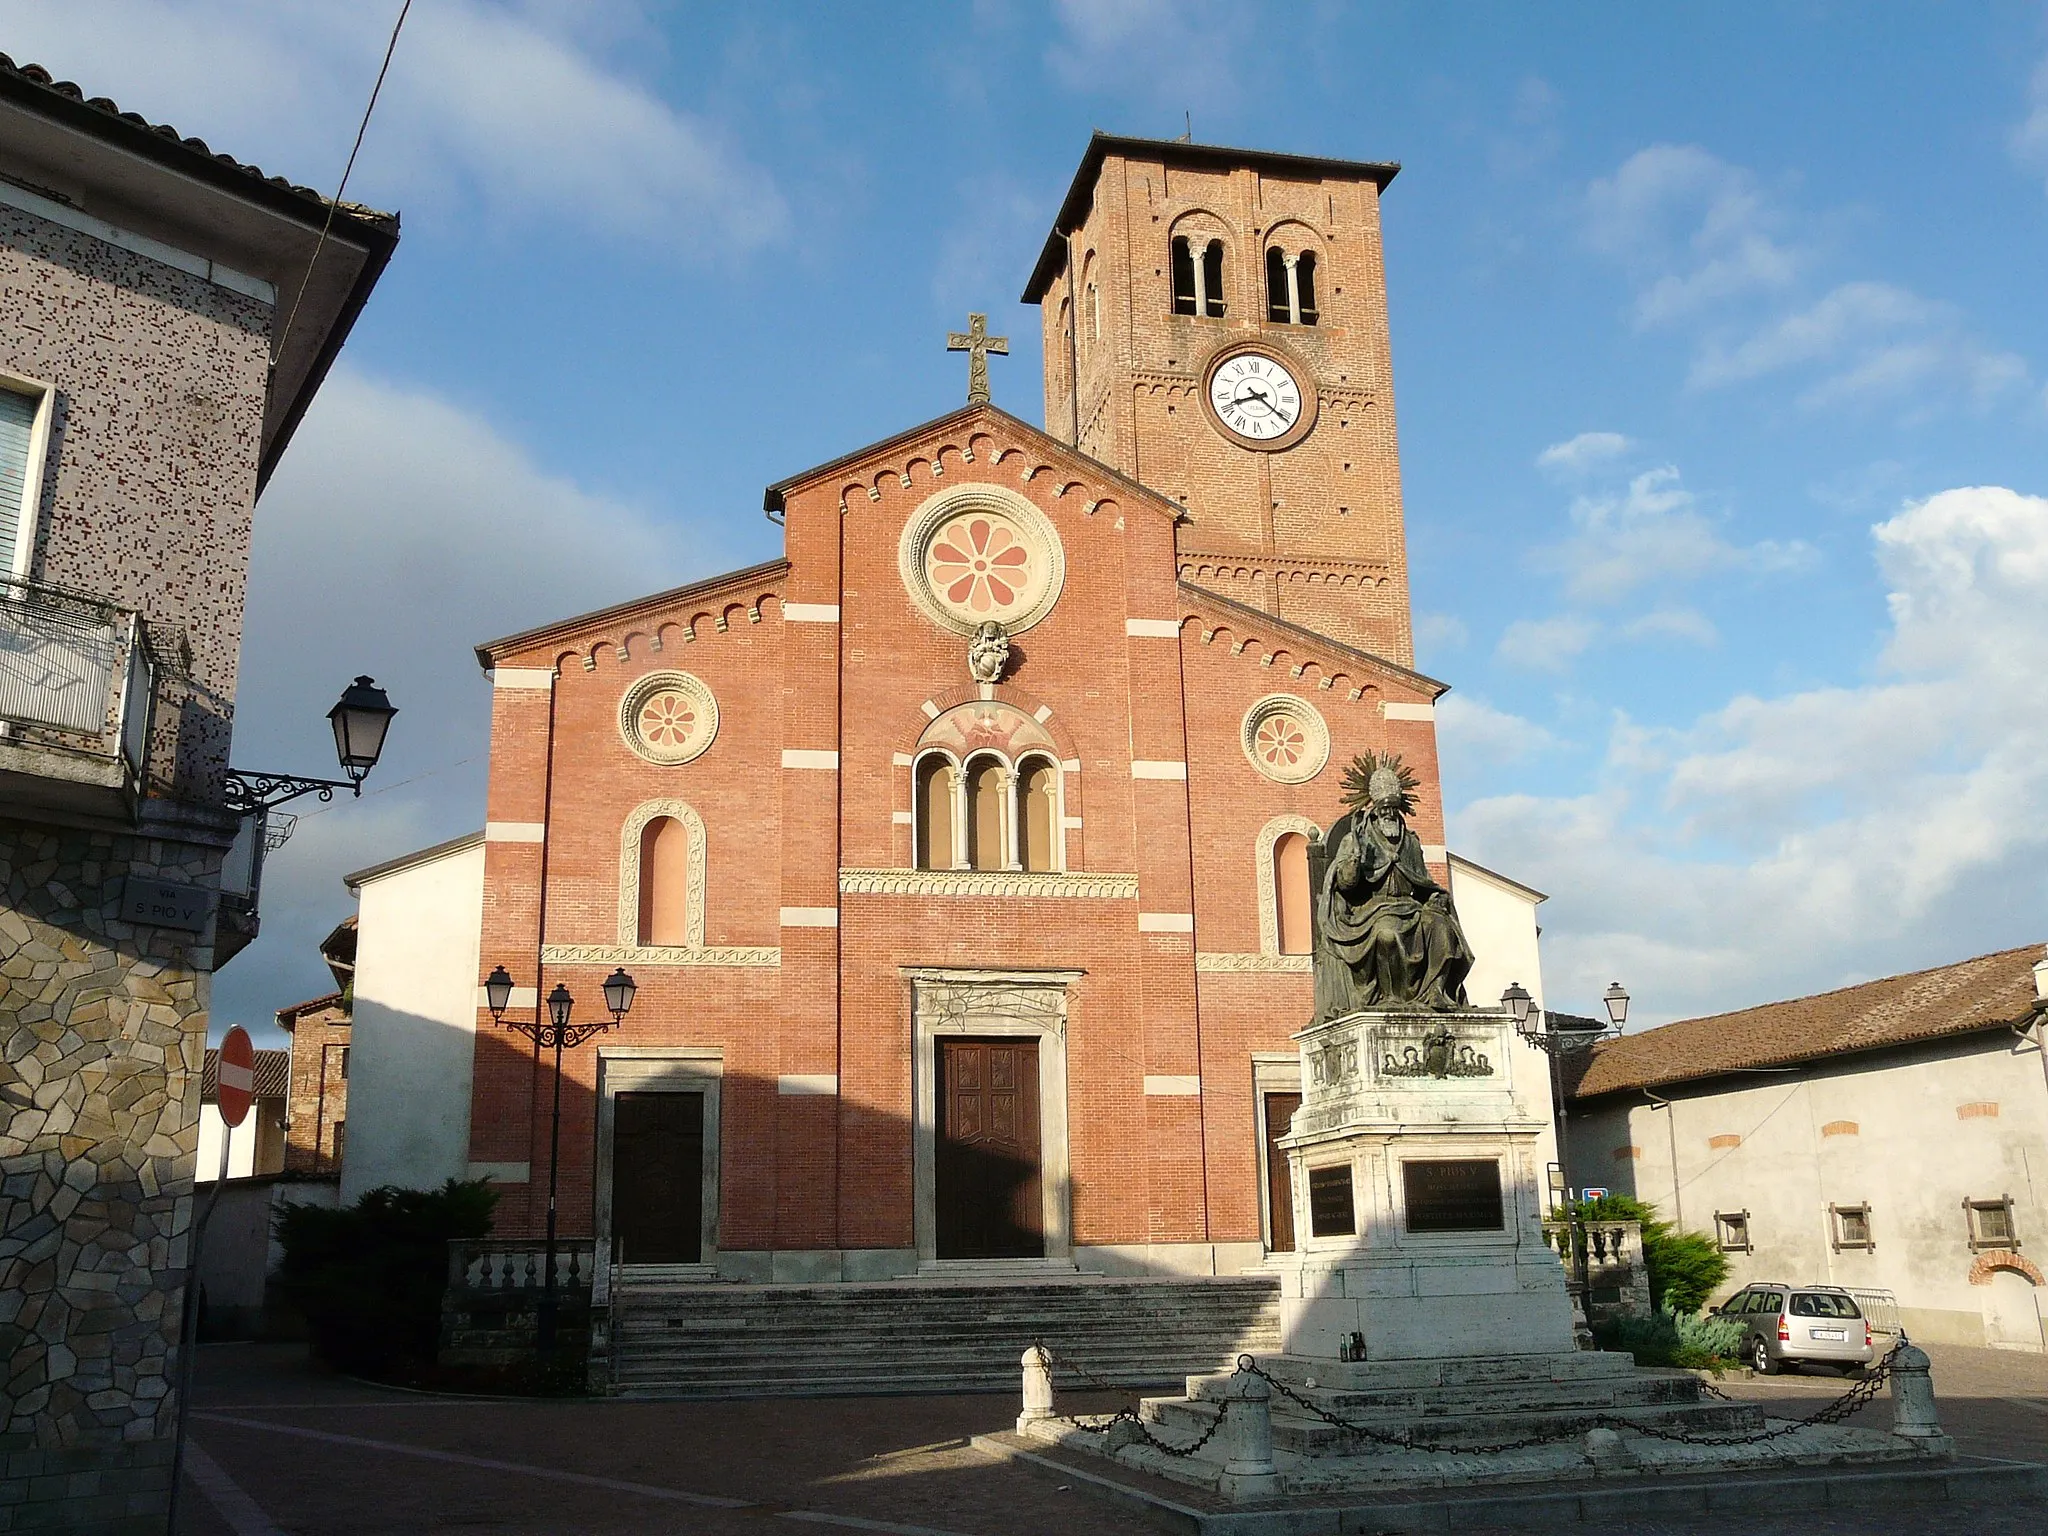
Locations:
column 1788, row 1325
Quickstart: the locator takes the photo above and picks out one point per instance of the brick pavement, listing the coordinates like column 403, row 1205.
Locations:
column 283, row 1448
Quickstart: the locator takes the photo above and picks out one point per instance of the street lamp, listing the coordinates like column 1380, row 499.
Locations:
column 360, row 718
column 1548, row 1034
column 555, row 1030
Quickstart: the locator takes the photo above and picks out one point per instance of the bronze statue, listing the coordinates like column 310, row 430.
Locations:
column 1386, row 934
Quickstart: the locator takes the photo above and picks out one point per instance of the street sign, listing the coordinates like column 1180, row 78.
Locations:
column 237, row 1077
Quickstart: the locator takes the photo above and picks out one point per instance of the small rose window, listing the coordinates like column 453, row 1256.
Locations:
column 1286, row 739
column 981, row 567
column 668, row 717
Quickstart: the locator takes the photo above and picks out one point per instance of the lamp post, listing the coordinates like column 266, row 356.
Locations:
column 360, row 718
column 555, row 1029
column 1541, row 1029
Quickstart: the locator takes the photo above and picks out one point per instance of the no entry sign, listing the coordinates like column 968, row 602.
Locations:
column 237, row 1068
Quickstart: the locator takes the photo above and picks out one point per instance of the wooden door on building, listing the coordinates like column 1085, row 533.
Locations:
column 1280, row 1108
column 989, row 1194
column 658, row 1178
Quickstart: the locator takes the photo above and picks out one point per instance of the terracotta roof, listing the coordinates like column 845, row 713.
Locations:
column 1990, row 992
column 197, row 149
column 287, row 1017
column 273, row 1076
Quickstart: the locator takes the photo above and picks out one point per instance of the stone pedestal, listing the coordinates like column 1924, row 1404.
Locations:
column 1418, row 1203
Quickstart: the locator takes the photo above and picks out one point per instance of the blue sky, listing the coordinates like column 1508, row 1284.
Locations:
column 1721, row 370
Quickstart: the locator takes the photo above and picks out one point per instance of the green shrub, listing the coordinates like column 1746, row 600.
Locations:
column 369, row 1277
column 1685, row 1268
column 1710, row 1336
column 1668, row 1338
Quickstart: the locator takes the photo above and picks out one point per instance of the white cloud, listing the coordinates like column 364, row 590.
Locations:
column 1440, row 632
column 1470, row 728
column 1650, row 531
column 2030, row 138
column 399, row 531
column 1696, row 229
column 1178, row 52
column 1875, row 339
column 1546, row 645
column 497, row 108
column 1673, row 624
column 1776, row 845
column 1576, row 454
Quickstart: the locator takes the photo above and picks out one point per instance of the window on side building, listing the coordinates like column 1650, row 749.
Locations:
column 1732, row 1229
column 24, row 436
column 1851, row 1224
column 1991, row 1223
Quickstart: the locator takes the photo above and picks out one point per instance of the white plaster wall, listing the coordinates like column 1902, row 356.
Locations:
column 1499, row 919
column 1913, row 1159
column 418, row 929
column 241, row 1145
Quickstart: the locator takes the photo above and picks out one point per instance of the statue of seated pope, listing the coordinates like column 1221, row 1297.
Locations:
column 1386, row 933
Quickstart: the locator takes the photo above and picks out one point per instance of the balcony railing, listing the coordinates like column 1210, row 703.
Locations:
column 77, row 682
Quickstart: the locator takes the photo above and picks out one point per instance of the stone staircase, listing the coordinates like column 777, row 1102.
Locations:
column 682, row 1339
column 1465, row 1403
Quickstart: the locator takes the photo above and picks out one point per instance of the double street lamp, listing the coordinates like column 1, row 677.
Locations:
column 555, row 1030
column 1548, row 1034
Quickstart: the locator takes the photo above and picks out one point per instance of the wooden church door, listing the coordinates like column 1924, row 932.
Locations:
column 988, row 1185
column 1280, row 1108
column 658, row 1178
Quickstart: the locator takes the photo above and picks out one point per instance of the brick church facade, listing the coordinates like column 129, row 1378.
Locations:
column 960, row 854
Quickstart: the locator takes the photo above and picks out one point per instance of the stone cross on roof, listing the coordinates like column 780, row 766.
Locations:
column 977, row 344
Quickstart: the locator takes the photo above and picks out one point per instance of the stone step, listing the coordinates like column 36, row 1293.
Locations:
column 929, row 1336
column 1642, row 1389
column 1307, row 1436
column 1478, row 1371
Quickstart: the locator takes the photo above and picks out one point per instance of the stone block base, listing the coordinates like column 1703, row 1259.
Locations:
column 110, row 1490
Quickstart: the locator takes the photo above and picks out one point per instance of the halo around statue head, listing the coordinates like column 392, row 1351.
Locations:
column 1380, row 778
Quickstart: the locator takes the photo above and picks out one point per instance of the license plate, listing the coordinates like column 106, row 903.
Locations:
column 1837, row 1334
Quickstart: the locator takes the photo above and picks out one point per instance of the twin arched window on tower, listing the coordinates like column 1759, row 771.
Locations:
column 1198, row 276
column 1290, row 286
column 986, row 814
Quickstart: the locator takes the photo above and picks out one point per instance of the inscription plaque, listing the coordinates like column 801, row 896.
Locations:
column 1452, row 1195
column 1330, row 1212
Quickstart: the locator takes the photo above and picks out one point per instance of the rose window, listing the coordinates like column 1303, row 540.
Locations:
column 666, row 720
column 1286, row 739
column 981, row 568
column 1281, row 743
column 668, row 717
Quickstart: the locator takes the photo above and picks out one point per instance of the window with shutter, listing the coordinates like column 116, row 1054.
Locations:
column 18, row 481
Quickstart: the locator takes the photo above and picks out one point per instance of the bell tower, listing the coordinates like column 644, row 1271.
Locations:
column 1216, row 328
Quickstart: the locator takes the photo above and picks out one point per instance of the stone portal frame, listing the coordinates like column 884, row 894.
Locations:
column 630, row 833
column 659, row 1069
column 1269, row 896
column 1004, row 1004
column 1272, row 1072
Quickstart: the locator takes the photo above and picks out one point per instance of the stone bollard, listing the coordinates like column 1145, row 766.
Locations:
column 1607, row 1451
column 1123, row 1433
column 1914, row 1416
column 1037, row 1389
column 1248, row 1471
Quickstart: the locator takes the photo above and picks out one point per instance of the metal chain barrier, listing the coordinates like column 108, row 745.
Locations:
column 1126, row 1414
column 1833, row 1413
column 1858, row 1396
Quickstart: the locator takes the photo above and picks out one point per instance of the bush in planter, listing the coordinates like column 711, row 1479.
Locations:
column 1672, row 1338
column 369, row 1277
column 1685, row 1268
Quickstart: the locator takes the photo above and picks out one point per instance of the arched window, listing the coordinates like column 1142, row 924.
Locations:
column 1277, row 308
column 1038, row 809
column 1290, row 287
column 985, row 819
column 1210, row 288
column 934, row 824
column 1183, row 277
column 665, row 882
column 1291, row 896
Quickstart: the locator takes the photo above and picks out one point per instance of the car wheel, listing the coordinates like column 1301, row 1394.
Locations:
column 1760, row 1356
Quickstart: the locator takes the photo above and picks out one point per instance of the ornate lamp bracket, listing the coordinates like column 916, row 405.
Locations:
column 248, row 793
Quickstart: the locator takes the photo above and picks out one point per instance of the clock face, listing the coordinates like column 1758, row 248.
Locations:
column 1255, row 396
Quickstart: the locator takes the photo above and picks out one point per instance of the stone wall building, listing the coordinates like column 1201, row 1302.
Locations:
column 316, row 1114
column 148, row 385
column 1886, row 1137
